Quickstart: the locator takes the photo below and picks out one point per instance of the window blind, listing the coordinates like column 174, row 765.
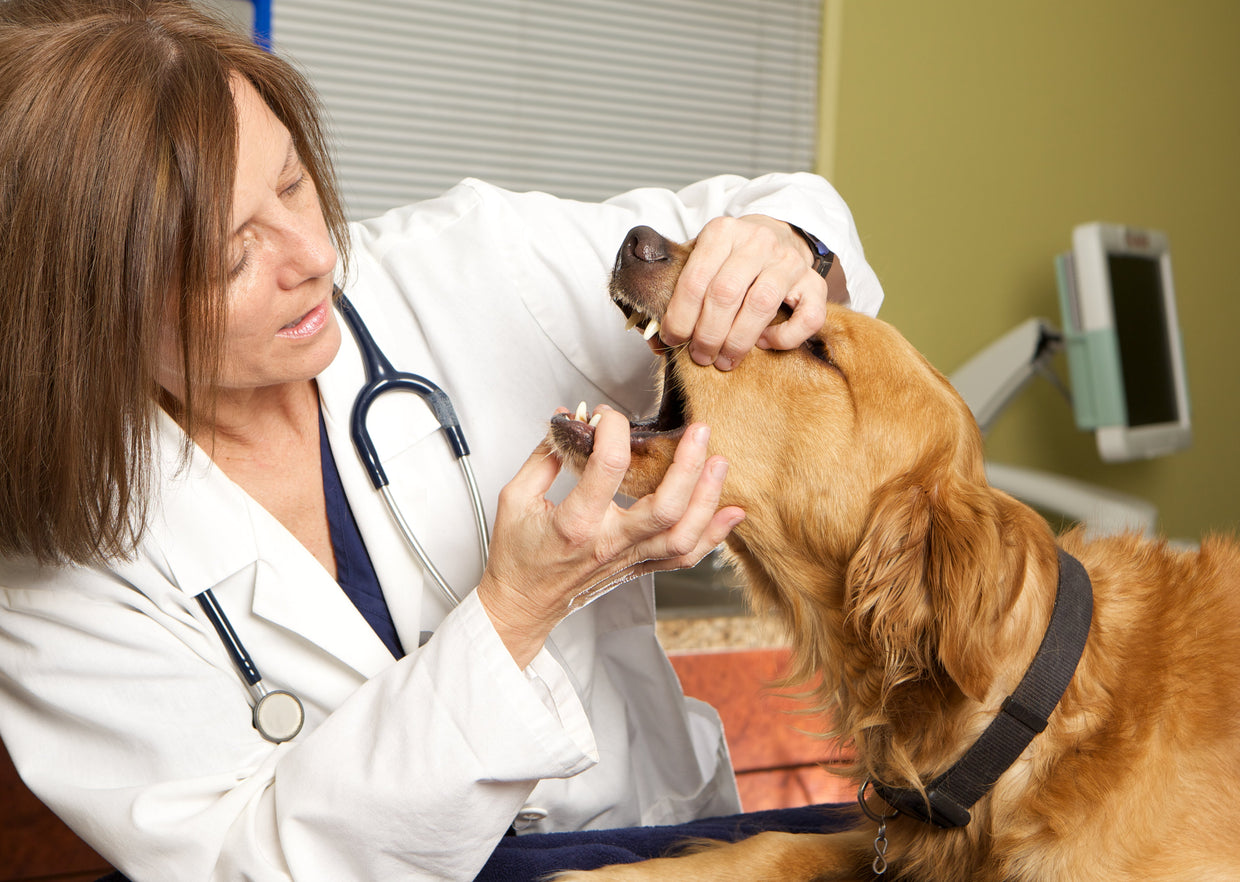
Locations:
column 581, row 98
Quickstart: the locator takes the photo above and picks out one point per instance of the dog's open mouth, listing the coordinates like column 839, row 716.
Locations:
column 576, row 430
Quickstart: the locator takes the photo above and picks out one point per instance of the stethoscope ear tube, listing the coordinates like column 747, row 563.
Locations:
column 436, row 399
column 382, row 377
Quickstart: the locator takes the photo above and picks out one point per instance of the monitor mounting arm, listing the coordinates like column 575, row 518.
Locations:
column 989, row 382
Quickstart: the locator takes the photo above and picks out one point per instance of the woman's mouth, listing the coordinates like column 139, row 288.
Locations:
column 307, row 325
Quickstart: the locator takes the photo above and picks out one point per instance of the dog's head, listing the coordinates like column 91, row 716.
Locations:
column 858, row 466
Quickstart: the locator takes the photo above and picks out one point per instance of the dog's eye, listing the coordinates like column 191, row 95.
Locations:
column 819, row 349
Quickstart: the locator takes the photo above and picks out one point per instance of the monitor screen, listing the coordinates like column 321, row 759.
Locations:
column 1144, row 339
column 1125, row 355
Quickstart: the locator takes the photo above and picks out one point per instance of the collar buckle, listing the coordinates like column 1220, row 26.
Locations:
column 938, row 807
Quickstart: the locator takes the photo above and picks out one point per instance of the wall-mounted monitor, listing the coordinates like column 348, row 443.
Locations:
column 1122, row 334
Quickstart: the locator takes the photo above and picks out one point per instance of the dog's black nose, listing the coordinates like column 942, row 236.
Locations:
column 643, row 244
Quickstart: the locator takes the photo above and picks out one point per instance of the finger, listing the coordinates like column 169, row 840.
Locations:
column 680, row 319
column 685, row 536
column 722, row 305
column 591, row 499
column 768, row 291
column 535, row 476
column 722, row 523
column 809, row 310
column 666, row 506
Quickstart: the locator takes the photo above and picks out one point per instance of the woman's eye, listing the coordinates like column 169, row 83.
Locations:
column 240, row 262
column 295, row 187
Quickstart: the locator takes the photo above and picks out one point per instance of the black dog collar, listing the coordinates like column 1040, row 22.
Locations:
column 1023, row 715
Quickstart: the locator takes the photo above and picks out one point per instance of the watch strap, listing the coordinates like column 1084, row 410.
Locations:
column 823, row 256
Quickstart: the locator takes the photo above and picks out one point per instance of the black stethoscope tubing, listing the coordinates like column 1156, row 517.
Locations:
column 278, row 714
column 381, row 377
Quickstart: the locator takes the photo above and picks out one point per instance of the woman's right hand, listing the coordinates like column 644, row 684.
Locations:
column 546, row 559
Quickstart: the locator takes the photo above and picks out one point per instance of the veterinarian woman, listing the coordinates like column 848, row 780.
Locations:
column 177, row 391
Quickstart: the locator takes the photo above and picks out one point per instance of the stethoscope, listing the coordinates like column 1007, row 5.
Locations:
column 278, row 714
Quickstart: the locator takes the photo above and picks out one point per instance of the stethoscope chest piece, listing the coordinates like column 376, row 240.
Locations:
column 279, row 716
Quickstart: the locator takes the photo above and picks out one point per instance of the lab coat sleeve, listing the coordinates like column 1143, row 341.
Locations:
column 560, row 253
column 122, row 714
column 476, row 760
column 555, row 255
column 802, row 199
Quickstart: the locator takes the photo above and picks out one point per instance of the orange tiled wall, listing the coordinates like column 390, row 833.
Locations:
column 778, row 763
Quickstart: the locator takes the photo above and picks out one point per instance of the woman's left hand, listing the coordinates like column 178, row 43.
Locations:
column 549, row 559
column 741, row 271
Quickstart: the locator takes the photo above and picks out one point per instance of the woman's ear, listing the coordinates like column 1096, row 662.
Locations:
column 919, row 587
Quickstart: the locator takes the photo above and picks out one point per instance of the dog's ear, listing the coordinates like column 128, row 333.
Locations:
column 919, row 585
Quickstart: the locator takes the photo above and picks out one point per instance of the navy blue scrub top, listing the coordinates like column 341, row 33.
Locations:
column 354, row 571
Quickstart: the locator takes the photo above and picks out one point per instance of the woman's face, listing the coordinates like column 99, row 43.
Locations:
column 280, row 326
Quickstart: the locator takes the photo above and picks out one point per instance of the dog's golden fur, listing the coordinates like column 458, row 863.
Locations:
column 917, row 595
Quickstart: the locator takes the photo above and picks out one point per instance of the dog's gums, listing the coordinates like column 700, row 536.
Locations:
column 574, row 433
column 668, row 422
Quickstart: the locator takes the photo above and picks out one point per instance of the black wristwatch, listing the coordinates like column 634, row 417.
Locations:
column 823, row 256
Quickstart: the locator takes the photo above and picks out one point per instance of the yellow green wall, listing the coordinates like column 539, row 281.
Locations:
column 970, row 137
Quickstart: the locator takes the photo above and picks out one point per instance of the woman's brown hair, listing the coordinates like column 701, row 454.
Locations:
column 117, row 157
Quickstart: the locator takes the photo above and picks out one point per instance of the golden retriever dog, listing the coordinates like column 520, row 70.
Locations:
column 918, row 597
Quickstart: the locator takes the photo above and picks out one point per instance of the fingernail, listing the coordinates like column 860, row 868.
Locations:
column 724, row 363
column 701, row 434
column 699, row 357
column 719, row 470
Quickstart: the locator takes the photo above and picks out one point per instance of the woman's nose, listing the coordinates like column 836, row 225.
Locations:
column 309, row 251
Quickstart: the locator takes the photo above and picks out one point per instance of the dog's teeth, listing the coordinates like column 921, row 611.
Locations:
column 582, row 413
column 632, row 321
column 596, row 419
column 651, row 329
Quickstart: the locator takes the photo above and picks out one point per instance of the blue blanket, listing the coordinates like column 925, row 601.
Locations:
column 525, row 858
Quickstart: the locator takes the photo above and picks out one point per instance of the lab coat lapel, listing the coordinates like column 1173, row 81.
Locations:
column 249, row 558
column 398, row 569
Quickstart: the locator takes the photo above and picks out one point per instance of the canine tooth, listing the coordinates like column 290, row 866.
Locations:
column 581, row 414
column 651, row 329
column 596, row 419
column 632, row 321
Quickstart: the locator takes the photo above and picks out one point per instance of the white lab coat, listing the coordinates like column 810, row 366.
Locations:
column 123, row 712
